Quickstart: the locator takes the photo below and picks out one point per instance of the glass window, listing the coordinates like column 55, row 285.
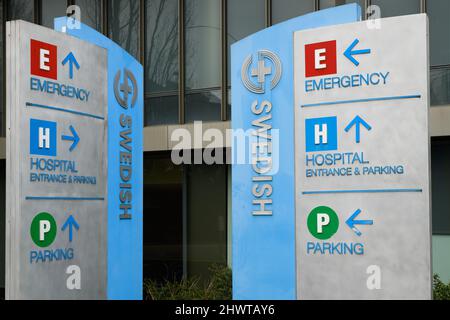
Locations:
column 161, row 61
column 440, row 179
column 161, row 110
column 161, row 46
column 244, row 18
column 206, row 218
column 440, row 86
column 21, row 9
column 123, row 24
column 2, row 221
column 287, row 9
column 391, row 8
column 91, row 13
column 2, row 105
column 52, row 9
column 323, row 4
column 163, row 218
column 202, row 59
column 438, row 12
column 202, row 53
column 203, row 106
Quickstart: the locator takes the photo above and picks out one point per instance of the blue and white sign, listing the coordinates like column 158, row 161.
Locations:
column 57, row 137
column 362, row 161
column 263, row 196
column 74, row 164
column 125, row 163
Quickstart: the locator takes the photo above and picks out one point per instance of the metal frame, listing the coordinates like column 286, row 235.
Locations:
column 142, row 33
column 224, row 59
column 268, row 13
column 316, row 5
column 37, row 11
column 3, row 118
column 181, row 60
column 105, row 17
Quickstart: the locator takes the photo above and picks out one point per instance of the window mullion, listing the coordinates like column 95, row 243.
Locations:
column 181, row 80
column 224, row 70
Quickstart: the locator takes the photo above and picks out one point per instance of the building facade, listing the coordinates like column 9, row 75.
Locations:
column 184, row 46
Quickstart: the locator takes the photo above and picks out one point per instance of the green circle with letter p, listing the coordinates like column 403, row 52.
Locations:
column 323, row 222
column 43, row 229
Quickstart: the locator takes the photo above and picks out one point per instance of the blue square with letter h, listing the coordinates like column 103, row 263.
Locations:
column 42, row 137
column 321, row 134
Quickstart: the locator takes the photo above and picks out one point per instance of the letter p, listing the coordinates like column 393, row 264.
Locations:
column 323, row 219
column 44, row 227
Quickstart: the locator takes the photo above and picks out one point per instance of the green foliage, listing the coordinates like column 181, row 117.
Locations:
column 441, row 291
column 218, row 287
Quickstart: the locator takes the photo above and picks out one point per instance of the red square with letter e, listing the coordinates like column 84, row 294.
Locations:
column 320, row 58
column 44, row 58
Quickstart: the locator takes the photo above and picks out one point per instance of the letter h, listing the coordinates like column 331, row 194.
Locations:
column 44, row 138
column 320, row 133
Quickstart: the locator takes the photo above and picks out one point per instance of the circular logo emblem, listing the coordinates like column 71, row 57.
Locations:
column 43, row 229
column 123, row 89
column 323, row 222
column 268, row 65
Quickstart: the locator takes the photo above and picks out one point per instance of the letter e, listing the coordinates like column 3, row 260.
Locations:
column 319, row 56
column 44, row 59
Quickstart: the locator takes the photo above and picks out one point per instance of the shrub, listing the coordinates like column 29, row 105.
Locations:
column 441, row 291
column 218, row 287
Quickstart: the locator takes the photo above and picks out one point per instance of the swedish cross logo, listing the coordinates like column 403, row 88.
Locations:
column 122, row 89
column 261, row 72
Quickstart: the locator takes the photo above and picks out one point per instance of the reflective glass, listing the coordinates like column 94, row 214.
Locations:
column 287, row 9
column 161, row 110
column 21, row 9
column 124, row 24
column 161, row 46
column 202, row 52
column 391, row 8
column 203, row 106
column 52, row 9
column 91, row 13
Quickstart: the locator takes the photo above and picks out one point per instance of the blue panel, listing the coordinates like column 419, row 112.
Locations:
column 44, row 132
column 264, row 246
column 321, row 134
column 125, row 248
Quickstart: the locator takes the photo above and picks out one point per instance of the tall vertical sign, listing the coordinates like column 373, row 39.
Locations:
column 74, row 165
column 362, row 161
column 56, row 165
column 263, row 195
column 125, row 162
